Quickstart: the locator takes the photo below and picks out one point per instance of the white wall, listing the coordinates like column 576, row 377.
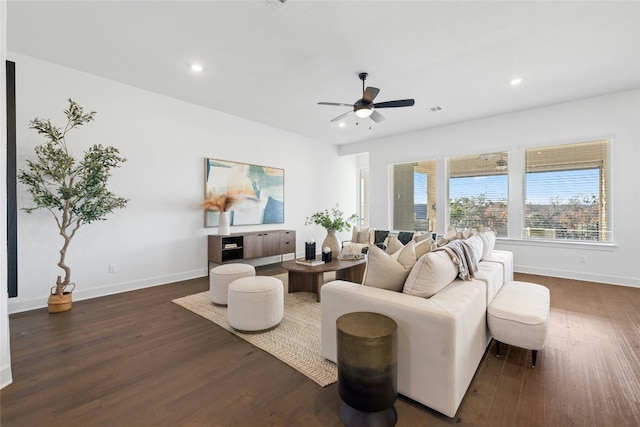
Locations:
column 615, row 116
column 159, row 237
column 5, row 355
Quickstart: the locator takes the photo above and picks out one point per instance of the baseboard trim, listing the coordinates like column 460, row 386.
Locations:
column 5, row 376
column 633, row 282
column 115, row 288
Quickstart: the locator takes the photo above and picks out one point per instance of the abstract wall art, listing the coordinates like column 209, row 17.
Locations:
column 260, row 190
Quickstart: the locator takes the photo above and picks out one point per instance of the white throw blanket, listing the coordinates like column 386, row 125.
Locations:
column 462, row 255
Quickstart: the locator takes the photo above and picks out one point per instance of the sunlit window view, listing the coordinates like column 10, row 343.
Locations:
column 566, row 192
column 479, row 192
column 414, row 204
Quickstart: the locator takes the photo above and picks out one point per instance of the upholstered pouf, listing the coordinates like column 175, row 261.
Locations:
column 222, row 275
column 519, row 316
column 255, row 303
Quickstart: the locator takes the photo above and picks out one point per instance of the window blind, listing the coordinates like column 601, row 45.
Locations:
column 566, row 192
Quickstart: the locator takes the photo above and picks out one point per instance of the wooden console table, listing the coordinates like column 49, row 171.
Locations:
column 250, row 245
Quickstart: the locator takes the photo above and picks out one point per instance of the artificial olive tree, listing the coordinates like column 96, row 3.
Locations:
column 73, row 190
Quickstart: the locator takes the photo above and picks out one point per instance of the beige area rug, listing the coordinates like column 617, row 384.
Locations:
column 296, row 341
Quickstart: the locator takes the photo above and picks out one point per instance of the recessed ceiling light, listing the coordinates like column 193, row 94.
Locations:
column 196, row 68
column 516, row 81
column 342, row 124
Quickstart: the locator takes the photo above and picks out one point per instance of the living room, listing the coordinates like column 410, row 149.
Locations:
column 159, row 238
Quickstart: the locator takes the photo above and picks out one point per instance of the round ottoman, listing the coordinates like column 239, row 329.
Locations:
column 255, row 303
column 222, row 275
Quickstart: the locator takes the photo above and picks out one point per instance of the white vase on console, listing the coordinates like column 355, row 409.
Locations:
column 223, row 224
column 333, row 242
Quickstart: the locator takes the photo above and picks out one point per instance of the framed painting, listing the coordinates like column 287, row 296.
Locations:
column 259, row 191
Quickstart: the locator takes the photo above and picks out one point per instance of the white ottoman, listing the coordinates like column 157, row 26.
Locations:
column 255, row 303
column 222, row 275
column 519, row 316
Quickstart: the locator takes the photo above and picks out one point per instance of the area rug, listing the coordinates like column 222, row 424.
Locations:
column 296, row 341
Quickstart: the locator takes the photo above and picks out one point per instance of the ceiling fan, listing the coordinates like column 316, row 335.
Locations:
column 365, row 107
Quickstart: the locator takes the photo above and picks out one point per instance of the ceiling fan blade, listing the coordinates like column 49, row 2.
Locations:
column 341, row 116
column 370, row 93
column 394, row 104
column 337, row 104
column 376, row 117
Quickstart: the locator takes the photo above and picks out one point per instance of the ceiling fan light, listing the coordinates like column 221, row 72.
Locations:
column 364, row 112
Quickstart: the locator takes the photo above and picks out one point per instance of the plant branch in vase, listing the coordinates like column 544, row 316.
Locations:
column 222, row 203
column 332, row 221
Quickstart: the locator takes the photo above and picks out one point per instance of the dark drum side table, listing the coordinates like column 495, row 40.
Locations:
column 367, row 369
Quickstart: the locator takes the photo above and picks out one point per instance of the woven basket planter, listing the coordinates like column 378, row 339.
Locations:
column 59, row 303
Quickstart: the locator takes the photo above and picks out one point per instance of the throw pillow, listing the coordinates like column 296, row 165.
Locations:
column 354, row 234
column 379, row 237
column 363, row 235
column 466, row 234
column 451, row 234
column 489, row 242
column 388, row 271
column 422, row 236
column 424, row 246
column 405, row 237
column 477, row 246
column 430, row 275
column 393, row 244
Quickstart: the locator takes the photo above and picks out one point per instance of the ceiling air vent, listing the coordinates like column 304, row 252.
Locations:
column 435, row 109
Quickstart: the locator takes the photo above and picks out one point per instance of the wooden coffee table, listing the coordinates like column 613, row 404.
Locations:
column 303, row 278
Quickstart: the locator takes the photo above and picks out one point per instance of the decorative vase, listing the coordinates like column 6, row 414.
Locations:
column 332, row 242
column 223, row 224
column 59, row 303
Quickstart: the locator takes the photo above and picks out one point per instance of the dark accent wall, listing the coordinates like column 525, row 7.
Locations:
column 12, row 212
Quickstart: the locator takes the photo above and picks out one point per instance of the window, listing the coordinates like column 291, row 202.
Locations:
column 414, row 200
column 566, row 192
column 479, row 192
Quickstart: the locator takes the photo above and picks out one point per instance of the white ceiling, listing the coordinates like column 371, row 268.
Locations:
column 273, row 64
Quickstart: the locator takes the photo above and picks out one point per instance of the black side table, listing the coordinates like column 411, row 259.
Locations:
column 367, row 369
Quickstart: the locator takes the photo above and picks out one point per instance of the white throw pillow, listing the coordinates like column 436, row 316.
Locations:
column 360, row 235
column 393, row 244
column 389, row 271
column 432, row 273
column 451, row 234
column 477, row 244
column 466, row 234
column 489, row 242
column 422, row 236
column 424, row 246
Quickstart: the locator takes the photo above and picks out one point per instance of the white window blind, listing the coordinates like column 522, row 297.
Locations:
column 566, row 192
column 479, row 192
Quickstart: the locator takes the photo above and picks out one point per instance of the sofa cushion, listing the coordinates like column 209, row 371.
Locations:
column 432, row 272
column 489, row 241
column 389, row 271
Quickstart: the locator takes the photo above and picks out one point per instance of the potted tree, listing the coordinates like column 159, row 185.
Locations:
column 73, row 190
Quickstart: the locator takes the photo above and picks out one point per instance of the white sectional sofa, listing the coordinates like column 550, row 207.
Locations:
column 441, row 337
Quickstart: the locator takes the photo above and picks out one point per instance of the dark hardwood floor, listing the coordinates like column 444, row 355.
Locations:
column 137, row 359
